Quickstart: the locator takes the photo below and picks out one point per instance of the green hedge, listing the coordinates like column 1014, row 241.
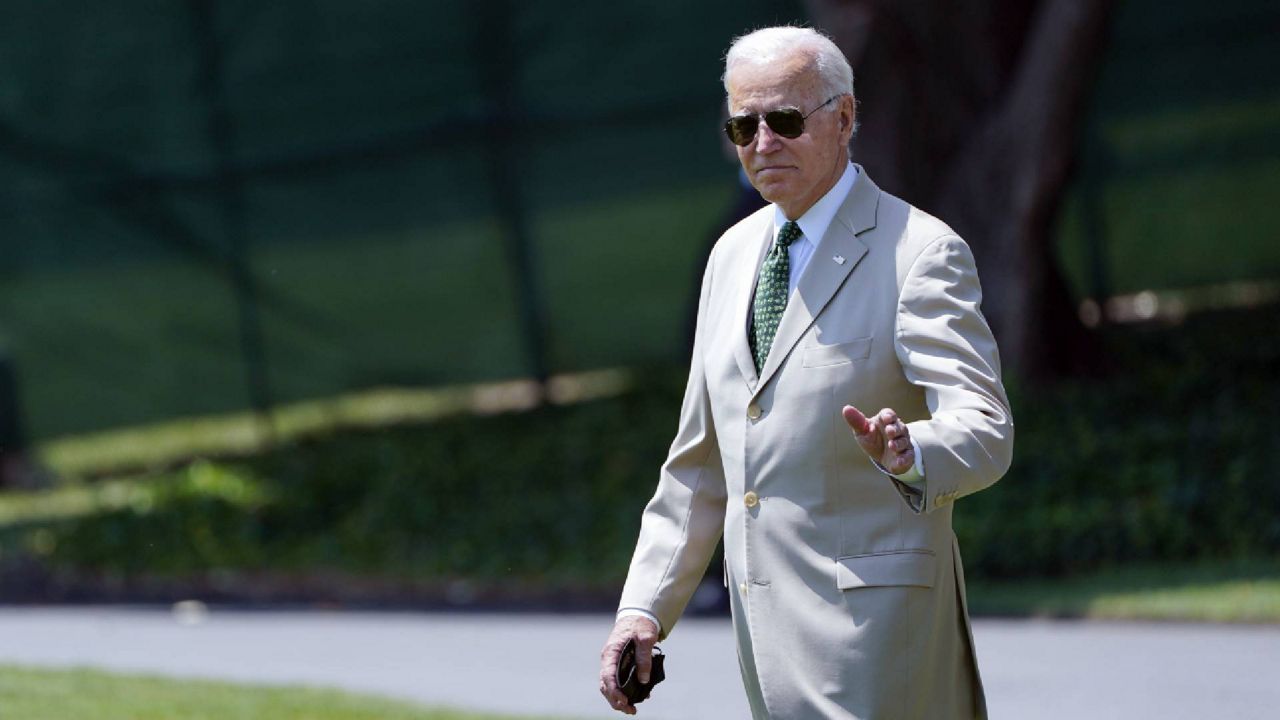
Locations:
column 1167, row 458
column 1171, row 457
column 552, row 496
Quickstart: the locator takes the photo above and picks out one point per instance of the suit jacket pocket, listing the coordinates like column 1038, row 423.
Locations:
column 823, row 355
column 897, row 567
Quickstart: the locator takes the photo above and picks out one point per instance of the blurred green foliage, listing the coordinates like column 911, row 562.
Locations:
column 1166, row 459
column 1169, row 458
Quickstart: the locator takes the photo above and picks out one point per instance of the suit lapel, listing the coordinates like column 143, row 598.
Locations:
column 742, row 305
column 838, row 253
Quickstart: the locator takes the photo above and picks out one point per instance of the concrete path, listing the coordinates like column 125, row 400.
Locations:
column 1033, row 669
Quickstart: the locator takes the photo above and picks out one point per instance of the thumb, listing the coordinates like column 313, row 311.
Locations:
column 644, row 661
column 856, row 420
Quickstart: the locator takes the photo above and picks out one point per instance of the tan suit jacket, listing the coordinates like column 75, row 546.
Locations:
column 846, row 586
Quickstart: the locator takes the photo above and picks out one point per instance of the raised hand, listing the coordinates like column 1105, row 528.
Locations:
column 883, row 437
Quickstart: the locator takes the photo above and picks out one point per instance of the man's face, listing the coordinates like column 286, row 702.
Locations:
column 794, row 173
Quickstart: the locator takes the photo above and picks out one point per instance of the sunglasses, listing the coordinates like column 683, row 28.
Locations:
column 787, row 122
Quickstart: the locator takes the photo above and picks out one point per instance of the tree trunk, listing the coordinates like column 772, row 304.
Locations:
column 973, row 111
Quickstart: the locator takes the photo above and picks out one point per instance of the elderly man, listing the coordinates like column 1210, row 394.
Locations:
column 844, row 575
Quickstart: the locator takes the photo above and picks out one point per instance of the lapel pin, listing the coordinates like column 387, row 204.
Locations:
column 839, row 259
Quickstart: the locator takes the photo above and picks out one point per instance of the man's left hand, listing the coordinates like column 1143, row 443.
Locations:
column 883, row 437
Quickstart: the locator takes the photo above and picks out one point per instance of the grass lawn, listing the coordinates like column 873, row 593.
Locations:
column 410, row 496
column 165, row 444
column 141, row 342
column 68, row 694
column 1243, row 591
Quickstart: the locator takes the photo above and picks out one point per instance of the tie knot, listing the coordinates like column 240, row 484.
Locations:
column 789, row 233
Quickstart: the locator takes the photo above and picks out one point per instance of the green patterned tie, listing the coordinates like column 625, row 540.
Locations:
column 771, row 293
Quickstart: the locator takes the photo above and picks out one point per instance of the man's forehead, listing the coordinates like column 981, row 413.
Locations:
column 768, row 93
column 790, row 81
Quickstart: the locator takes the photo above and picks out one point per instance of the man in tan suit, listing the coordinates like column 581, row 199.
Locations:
column 844, row 575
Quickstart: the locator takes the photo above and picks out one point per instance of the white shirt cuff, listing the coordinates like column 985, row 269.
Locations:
column 628, row 612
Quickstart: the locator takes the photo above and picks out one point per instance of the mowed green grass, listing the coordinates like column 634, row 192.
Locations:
column 31, row 694
column 1185, row 200
column 144, row 341
column 1238, row 591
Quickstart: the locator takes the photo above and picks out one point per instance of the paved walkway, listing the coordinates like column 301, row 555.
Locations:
column 1033, row 669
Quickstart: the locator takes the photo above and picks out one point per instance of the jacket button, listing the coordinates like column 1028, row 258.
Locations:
column 754, row 412
column 751, row 499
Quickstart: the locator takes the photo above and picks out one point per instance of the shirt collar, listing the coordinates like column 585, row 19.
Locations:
column 815, row 221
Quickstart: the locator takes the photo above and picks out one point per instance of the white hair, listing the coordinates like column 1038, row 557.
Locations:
column 767, row 46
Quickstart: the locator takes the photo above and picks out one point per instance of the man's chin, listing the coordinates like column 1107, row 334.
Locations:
column 773, row 192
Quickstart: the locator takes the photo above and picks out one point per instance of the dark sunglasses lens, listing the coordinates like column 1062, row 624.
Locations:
column 741, row 129
column 788, row 123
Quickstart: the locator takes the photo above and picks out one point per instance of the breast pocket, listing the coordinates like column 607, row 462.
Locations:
column 839, row 354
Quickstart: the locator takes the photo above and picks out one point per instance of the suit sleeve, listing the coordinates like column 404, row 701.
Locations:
column 946, row 348
column 683, row 522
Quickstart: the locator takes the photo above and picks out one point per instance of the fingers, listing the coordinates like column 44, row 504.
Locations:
column 644, row 659
column 609, row 678
column 856, row 420
column 609, row 686
column 883, row 436
column 899, row 453
column 866, row 430
column 645, row 634
column 886, row 420
column 897, row 438
column 615, row 698
column 892, row 424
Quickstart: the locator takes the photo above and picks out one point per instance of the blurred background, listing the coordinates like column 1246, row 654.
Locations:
column 387, row 303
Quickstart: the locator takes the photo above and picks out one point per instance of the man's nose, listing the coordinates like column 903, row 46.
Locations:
column 766, row 139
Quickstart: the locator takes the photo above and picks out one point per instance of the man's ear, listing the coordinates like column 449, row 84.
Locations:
column 848, row 114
